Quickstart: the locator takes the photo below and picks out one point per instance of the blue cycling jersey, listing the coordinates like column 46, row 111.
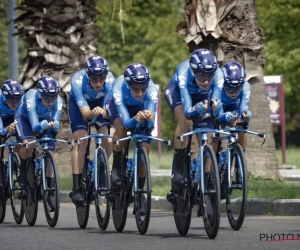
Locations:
column 5, row 112
column 241, row 101
column 123, row 99
column 83, row 92
column 184, row 78
column 32, row 108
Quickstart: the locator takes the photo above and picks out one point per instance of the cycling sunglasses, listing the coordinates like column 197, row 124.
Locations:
column 97, row 78
column 13, row 101
column 49, row 99
column 202, row 77
column 233, row 90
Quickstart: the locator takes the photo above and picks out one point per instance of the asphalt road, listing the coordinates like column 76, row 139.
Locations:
column 162, row 233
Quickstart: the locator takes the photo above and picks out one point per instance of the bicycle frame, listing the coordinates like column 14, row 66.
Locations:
column 44, row 147
column 202, row 137
column 138, row 140
column 11, row 146
column 98, row 141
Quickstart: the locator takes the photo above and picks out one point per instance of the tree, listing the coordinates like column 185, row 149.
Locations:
column 230, row 29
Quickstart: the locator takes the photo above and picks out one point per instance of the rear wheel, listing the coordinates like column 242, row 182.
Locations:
column 236, row 195
column 51, row 204
column 17, row 205
column 2, row 193
column 210, row 200
column 31, row 201
column 102, row 204
column 142, row 202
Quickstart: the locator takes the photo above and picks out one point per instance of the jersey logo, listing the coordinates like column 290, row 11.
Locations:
column 28, row 105
column 79, row 103
column 154, row 96
column 109, row 80
column 117, row 98
column 79, row 81
column 59, row 106
column 181, row 81
column 220, row 83
column 248, row 95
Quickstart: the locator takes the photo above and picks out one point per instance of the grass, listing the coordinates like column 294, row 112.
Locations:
column 291, row 155
column 257, row 188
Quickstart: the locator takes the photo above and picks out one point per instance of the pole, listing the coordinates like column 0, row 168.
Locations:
column 13, row 61
column 282, row 120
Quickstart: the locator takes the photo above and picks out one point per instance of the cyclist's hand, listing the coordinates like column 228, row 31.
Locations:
column 11, row 128
column 148, row 115
column 214, row 105
column 230, row 117
column 140, row 116
column 97, row 111
column 54, row 124
column 247, row 115
column 201, row 107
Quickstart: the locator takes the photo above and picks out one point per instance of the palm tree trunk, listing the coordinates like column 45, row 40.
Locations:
column 230, row 29
column 61, row 35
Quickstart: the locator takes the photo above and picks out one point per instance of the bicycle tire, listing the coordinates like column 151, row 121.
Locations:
column 182, row 209
column 51, row 219
column 143, row 223
column 236, row 224
column 31, row 201
column 2, row 193
column 120, row 197
column 212, row 227
column 14, row 199
column 102, row 209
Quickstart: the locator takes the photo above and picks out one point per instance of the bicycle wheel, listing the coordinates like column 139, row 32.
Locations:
column 210, row 201
column 120, row 198
column 83, row 210
column 17, row 205
column 142, row 203
column 182, row 209
column 102, row 204
column 51, row 208
column 236, row 196
column 31, row 201
column 2, row 193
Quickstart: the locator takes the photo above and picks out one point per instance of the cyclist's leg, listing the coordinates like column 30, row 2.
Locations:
column 120, row 132
column 173, row 99
column 25, row 135
column 79, row 129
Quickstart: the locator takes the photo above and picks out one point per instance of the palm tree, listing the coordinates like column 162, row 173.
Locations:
column 230, row 29
column 61, row 35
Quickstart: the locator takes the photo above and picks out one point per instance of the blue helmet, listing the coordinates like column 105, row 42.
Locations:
column 48, row 86
column 12, row 89
column 96, row 65
column 234, row 76
column 136, row 73
column 204, row 61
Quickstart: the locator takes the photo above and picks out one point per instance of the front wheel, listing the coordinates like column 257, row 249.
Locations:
column 17, row 205
column 236, row 194
column 2, row 193
column 51, row 194
column 210, row 200
column 102, row 204
column 142, row 201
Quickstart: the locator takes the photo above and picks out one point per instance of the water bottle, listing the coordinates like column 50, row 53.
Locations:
column 90, row 169
column 38, row 169
column 223, row 159
column 129, row 165
column 194, row 168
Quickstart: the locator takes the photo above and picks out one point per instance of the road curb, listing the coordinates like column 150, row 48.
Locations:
column 255, row 206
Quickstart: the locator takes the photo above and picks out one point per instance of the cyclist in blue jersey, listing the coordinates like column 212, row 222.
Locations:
column 39, row 113
column 235, row 97
column 89, row 89
column 10, row 98
column 192, row 92
column 134, row 100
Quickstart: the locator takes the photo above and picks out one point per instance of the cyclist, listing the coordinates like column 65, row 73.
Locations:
column 10, row 98
column 89, row 88
column 188, row 94
column 235, row 98
column 134, row 100
column 39, row 112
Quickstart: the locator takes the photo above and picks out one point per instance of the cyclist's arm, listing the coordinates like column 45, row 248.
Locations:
column 122, row 108
column 152, row 94
column 31, row 111
column 189, row 110
column 217, row 86
column 57, row 108
column 3, row 131
column 77, row 84
column 108, row 86
column 245, row 99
